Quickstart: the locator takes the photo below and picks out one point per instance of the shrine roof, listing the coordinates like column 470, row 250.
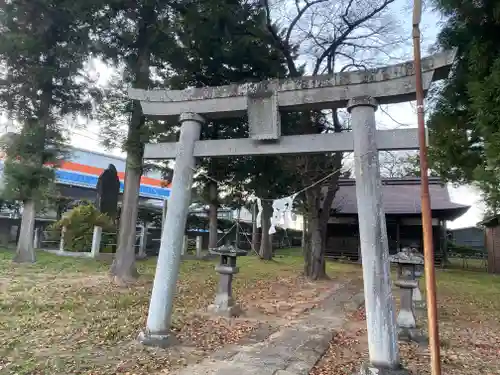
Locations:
column 490, row 221
column 401, row 197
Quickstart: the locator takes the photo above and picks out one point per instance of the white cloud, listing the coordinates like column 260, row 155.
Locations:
column 467, row 195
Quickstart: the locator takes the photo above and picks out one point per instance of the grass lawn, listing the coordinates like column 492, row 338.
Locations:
column 469, row 323
column 63, row 315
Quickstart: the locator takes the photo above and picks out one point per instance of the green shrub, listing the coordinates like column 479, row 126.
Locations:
column 79, row 223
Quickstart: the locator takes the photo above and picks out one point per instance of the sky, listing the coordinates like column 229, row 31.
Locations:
column 398, row 115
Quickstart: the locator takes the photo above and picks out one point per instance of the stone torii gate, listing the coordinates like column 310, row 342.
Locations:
column 360, row 92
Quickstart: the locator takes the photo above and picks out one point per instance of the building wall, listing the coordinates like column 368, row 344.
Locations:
column 343, row 236
column 470, row 237
column 101, row 160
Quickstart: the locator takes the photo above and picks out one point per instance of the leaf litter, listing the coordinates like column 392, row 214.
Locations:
column 469, row 327
column 65, row 316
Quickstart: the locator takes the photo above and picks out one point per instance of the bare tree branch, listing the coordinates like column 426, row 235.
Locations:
column 350, row 27
column 283, row 46
column 300, row 12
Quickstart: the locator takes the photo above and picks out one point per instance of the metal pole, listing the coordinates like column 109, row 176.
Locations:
column 430, row 276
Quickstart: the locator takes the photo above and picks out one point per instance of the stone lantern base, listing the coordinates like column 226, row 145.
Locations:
column 224, row 304
column 413, row 335
column 230, row 311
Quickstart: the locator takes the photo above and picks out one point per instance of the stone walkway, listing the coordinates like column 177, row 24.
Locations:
column 293, row 350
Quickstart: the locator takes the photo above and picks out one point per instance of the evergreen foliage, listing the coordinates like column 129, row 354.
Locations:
column 43, row 45
column 220, row 43
column 465, row 120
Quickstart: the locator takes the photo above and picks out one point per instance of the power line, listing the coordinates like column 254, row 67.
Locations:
column 339, row 170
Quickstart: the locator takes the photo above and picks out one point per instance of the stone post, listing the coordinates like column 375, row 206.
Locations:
column 36, row 238
column 143, row 238
column 199, row 245
column 157, row 332
column 185, row 242
column 61, row 241
column 379, row 303
column 96, row 241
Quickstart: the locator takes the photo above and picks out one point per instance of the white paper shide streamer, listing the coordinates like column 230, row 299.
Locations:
column 282, row 213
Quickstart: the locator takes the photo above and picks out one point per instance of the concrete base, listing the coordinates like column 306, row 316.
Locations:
column 160, row 341
column 413, row 335
column 229, row 312
column 368, row 369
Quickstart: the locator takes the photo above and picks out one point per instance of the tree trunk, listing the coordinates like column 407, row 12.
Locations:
column 319, row 214
column 123, row 268
column 304, row 229
column 317, row 252
column 314, row 256
column 255, row 230
column 25, row 252
column 306, row 245
column 212, row 215
column 266, row 248
column 18, row 232
column 59, row 211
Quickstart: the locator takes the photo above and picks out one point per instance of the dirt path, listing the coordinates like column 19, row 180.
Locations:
column 293, row 350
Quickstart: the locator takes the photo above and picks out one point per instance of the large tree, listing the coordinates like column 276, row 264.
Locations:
column 184, row 44
column 396, row 164
column 220, row 43
column 329, row 37
column 43, row 45
column 129, row 35
column 465, row 116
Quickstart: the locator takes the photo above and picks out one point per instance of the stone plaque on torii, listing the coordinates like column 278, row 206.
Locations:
column 360, row 92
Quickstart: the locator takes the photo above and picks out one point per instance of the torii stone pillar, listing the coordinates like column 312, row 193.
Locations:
column 157, row 330
column 379, row 303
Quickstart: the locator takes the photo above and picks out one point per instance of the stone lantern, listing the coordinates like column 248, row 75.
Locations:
column 224, row 303
column 417, row 294
column 409, row 262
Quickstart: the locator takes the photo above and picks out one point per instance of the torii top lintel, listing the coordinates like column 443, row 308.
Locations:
column 389, row 84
